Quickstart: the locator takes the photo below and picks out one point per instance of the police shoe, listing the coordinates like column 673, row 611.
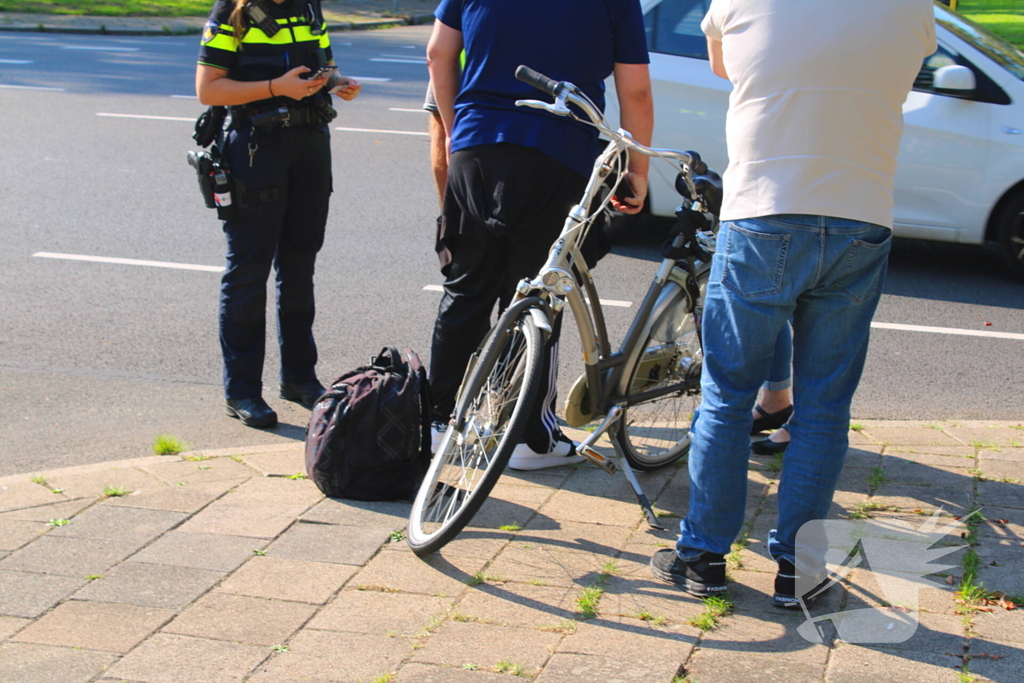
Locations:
column 303, row 393
column 253, row 412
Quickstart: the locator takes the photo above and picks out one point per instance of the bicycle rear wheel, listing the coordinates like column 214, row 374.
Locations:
column 500, row 390
column 656, row 432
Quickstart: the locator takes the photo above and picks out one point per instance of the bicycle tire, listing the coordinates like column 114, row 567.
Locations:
column 656, row 432
column 468, row 462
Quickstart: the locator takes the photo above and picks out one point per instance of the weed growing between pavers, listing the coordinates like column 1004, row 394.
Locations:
column 384, row 678
column 507, row 667
column 514, row 526
column 165, row 444
column 195, row 457
column 715, row 607
column 59, row 522
column 877, row 478
column 588, row 600
column 111, row 491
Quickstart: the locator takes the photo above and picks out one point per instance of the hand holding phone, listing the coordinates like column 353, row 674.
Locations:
column 322, row 72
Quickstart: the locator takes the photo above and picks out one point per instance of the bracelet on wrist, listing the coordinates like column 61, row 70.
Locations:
column 270, row 87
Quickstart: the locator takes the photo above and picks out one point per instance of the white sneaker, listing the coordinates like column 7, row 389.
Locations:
column 437, row 432
column 564, row 453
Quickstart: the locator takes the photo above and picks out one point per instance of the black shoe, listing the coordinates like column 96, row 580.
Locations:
column 304, row 393
column 253, row 412
column 702, row 577
column 769, row 447
column 785, row 587
column 768, row 421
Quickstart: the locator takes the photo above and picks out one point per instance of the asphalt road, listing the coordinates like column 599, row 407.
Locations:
column 96, row 359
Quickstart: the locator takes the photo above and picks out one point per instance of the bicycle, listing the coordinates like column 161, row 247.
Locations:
column 644, row 392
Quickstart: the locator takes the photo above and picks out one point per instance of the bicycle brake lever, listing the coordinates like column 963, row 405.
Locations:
column 557, row 108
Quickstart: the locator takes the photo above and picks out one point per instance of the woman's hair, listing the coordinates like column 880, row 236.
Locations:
column 237, row 22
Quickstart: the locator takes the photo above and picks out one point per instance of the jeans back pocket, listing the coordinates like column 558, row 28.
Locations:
column 753, row 262
column 864, row 266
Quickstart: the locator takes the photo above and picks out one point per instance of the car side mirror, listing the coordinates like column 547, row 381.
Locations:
column 954, row 80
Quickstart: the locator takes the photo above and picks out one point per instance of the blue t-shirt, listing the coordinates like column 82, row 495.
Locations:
column 568, row 40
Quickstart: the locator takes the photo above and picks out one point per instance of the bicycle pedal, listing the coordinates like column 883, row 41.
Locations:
column 598, row 459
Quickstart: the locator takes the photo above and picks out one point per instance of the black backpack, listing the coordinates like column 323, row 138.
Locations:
column 369, row 434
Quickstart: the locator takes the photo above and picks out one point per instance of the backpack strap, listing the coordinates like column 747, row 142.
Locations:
column 417, row 368
column 389, row 358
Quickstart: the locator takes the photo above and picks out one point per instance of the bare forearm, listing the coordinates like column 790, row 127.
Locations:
column 226, row 92
column 636, row 109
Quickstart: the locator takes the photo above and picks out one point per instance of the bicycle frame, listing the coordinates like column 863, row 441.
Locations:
column 565, row 278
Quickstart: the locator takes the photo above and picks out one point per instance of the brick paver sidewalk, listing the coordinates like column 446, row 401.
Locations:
column 220, row 567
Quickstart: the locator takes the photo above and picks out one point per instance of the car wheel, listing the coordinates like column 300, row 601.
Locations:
column 1011, row 234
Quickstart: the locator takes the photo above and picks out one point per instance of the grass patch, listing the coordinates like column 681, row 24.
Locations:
column 481, row 577
column 514, row 526
column 511, row 668
column 566, row 627
column 877, row 478
column 715, row 608
column 281, row 648
column 165, row 444
column 109, row 8
column 115, row 491
column 93, row 577
column 986, row 445
column 236, row 458
column 196, row 457
column 588, row 601
column 259, row 553
column 652, row 619
column 39, row 479
column 1005, row 18
column 396, row 536
column 297, row 476
column 59, row 522
column 733, row 558
column 383, row 678
column 865, row 510
column 56, row 490
column 856, row 427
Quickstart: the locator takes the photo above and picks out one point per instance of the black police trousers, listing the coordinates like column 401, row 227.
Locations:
column 285, row 232
column 503, row 208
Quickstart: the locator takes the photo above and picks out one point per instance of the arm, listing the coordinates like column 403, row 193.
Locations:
column 345, row 87
column 215, row 88
column 715, row 54
column 445, row 73
column 636, row 114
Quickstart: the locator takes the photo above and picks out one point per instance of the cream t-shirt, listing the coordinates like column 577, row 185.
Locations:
column 815, row 115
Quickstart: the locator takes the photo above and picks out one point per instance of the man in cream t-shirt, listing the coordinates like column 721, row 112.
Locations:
column 813, row 130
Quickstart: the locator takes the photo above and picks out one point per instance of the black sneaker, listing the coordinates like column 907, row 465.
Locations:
column 785, row 587
column 703, row 577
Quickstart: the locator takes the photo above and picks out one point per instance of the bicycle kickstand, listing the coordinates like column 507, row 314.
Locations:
column 587, row 450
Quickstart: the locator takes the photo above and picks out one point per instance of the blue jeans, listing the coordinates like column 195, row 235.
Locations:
column 826, row 275
column 780, row 372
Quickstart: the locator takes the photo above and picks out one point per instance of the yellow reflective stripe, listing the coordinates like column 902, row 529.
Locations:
column 223, row 42
column 283, row 37
column 325, row 42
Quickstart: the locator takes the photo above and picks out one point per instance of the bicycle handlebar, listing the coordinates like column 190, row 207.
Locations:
column 539, row 81
column 565, row 92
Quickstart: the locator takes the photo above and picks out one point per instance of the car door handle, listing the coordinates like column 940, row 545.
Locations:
column 1012, row 131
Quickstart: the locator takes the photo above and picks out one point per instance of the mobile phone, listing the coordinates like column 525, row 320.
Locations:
column 624, row 190
column 322, row 72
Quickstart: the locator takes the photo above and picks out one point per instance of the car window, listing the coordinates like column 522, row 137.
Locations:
column 673, row 27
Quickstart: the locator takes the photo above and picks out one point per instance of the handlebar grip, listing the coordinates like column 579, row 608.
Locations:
column 539, row 81
column 696, row 165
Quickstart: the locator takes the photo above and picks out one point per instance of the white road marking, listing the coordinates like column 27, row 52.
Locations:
column 948, row 330
column 142, row 116
column 420, row 111
column 422, row 62
column 604, row 302
column 408, row 47
column 128, row 261
column 422, row 59
column 16, row 61
column 371, row 79
column 391, row 132
column 185, row 97
column 100, row 48
column 31, row 87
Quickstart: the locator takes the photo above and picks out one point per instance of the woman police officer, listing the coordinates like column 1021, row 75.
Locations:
column 255, row 58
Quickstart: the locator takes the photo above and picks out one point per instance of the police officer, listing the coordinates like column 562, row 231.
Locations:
column 256, row 59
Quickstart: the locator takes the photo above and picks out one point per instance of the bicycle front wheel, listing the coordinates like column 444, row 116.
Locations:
column 656, row 431
column 501, row 388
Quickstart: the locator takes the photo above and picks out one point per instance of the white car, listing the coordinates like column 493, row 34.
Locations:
column 961, row 163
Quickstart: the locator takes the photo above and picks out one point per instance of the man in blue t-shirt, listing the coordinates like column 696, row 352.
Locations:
column 515, row 173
